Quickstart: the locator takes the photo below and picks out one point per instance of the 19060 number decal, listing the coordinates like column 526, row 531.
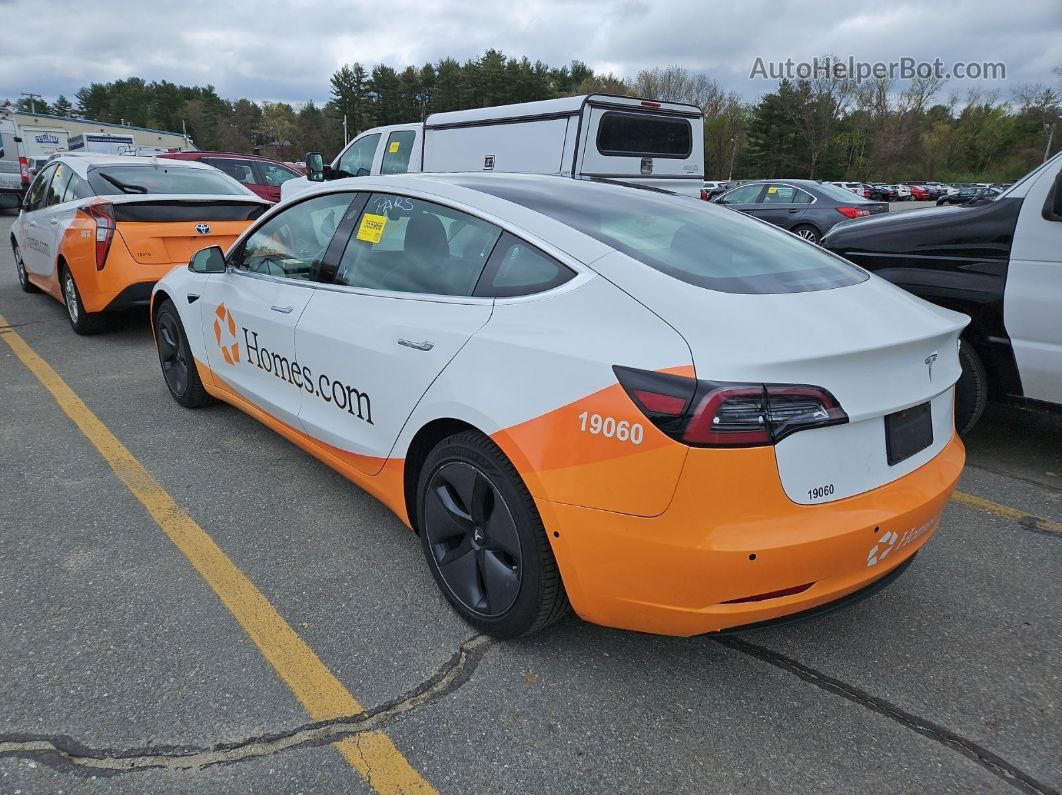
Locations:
column 610, row 427
column 819, row 492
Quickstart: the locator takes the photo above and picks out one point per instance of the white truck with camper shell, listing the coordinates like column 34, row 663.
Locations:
column 596, row 136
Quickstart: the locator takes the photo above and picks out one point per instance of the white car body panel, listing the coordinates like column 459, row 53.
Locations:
column 1032, row 302
column 499, row 363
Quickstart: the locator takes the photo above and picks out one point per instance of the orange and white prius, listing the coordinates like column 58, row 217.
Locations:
column 667, row 415
column 97, row 231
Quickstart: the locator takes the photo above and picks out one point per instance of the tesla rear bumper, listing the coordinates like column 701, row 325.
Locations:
column 731, row 540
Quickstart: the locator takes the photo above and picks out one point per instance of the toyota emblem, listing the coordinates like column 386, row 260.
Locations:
column 202, row 229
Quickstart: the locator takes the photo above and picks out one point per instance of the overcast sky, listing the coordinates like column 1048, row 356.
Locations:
column 287, row 49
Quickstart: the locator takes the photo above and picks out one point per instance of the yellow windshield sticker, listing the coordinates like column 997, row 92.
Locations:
column 393, row 147
column 772, row 190
column 372, row 227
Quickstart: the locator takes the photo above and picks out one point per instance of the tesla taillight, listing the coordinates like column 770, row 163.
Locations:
column 853, row 212
column 719, row 414
column 102, row 213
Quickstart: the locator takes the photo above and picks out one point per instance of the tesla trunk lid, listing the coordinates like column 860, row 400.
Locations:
column 877, row 349
column 169, row 231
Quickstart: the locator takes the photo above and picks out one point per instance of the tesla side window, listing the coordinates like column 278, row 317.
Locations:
column 746, row 194
column 35, row 196
column 292, row 244
column 518, row 268
column 704, row 246
column 396, row 155
column 412, row 246
column 359, row 156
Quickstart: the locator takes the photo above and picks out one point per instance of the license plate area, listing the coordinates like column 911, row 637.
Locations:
column 908, row 432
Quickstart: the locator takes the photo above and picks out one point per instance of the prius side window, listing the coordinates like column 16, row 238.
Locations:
column 406, row 245
column 292, row 244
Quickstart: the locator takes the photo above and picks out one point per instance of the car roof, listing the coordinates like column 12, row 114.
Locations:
column 193, row 155
column 81, row 162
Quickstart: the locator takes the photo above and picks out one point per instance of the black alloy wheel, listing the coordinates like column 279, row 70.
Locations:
column 483, row 539
column 178, row 366
column 473, row 538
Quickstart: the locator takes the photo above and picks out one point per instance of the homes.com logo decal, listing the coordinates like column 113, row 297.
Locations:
column 225, row 334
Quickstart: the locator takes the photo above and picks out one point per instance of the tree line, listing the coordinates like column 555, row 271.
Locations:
column 821, row 129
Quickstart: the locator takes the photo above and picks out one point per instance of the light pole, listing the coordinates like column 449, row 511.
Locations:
column 733, row 152
column 33, row 104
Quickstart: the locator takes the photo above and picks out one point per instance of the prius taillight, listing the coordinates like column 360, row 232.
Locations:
column 102, row 213
column 719, row 414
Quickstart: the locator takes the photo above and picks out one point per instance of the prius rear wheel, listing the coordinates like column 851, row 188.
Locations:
column 484, row 540
column 81, row 320
column 20, row 268
column 178, row 365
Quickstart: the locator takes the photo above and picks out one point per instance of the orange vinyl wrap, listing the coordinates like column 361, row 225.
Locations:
column 730, row 533
column 99, row 287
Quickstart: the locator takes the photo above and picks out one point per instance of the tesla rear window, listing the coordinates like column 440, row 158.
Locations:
column 641, row 135
column 136, row 178
column 690, row 240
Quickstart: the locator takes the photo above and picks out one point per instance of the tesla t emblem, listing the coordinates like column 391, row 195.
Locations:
column 202, row 229
column 929, row 363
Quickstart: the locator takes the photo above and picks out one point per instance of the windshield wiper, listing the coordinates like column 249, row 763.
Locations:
column 124, row 187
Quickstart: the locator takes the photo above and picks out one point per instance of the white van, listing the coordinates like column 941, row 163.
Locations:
column 101, row 143
column 14, row 168
column 659, row 144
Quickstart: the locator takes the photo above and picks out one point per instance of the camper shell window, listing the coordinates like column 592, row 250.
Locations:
column 644, row 135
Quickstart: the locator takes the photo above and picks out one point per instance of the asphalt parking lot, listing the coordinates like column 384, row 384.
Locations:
column 189, row 602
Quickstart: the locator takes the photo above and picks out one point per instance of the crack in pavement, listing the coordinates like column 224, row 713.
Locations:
column 64, row 753
column 991, row 762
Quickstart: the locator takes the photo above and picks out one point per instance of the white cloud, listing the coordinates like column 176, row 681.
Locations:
column 276, row 50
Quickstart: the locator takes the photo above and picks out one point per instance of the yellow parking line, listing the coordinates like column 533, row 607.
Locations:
column 372, row 754
column 1007, row 512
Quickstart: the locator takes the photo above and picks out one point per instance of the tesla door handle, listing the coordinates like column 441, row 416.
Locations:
column 285, row 309
column 420, row 346
column 53, row 221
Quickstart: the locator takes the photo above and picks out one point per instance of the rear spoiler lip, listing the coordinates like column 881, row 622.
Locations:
column 187, row 198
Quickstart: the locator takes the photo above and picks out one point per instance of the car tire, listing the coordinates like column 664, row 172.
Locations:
column 807, row 232
column 20, row 268
column 179, row 370
column 484, row 541
column 81, row 321
column 971, row 391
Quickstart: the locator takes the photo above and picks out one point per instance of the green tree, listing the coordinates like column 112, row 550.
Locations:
column 62, row 106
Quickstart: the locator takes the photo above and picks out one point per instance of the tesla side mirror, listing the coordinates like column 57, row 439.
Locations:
column 208, row 260
column 315, row 167
column 1053, row 203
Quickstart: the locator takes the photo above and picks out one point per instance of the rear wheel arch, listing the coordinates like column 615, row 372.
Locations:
column 422, row 443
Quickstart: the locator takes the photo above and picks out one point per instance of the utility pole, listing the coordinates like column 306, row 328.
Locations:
column 1050, row 134
column 346, row 140
column 733, row 152
column 33, row 104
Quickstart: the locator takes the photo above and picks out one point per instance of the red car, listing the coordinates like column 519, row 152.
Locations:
column 920, row 193
column 259, row 174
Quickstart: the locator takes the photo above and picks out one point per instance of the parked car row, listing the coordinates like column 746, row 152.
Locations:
column 804, row 207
